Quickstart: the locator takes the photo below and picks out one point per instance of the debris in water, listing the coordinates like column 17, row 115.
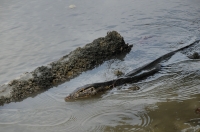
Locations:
column 72, row 6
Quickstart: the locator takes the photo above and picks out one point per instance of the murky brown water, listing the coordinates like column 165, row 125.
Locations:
column 174, row 116
column 35, row 33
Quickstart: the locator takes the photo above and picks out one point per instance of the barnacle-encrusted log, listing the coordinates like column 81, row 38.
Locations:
column 67, row 67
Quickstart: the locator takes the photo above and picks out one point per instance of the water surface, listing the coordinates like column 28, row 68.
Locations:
column 35, row 33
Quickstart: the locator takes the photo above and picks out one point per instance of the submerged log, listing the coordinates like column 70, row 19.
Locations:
column 132, row 77
column 67, row 67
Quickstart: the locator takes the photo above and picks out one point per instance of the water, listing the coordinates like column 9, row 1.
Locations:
column 35, row 33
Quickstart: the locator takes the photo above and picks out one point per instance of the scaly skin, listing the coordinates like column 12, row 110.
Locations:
column 93, row 89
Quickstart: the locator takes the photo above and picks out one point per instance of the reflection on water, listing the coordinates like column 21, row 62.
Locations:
column 35, row 33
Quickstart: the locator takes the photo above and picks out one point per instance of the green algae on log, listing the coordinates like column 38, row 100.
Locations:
column 67, row 67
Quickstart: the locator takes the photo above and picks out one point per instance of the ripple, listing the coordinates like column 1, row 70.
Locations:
column 9, row 116
column 114, row 118
column 177, row 81
column 146, row 120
